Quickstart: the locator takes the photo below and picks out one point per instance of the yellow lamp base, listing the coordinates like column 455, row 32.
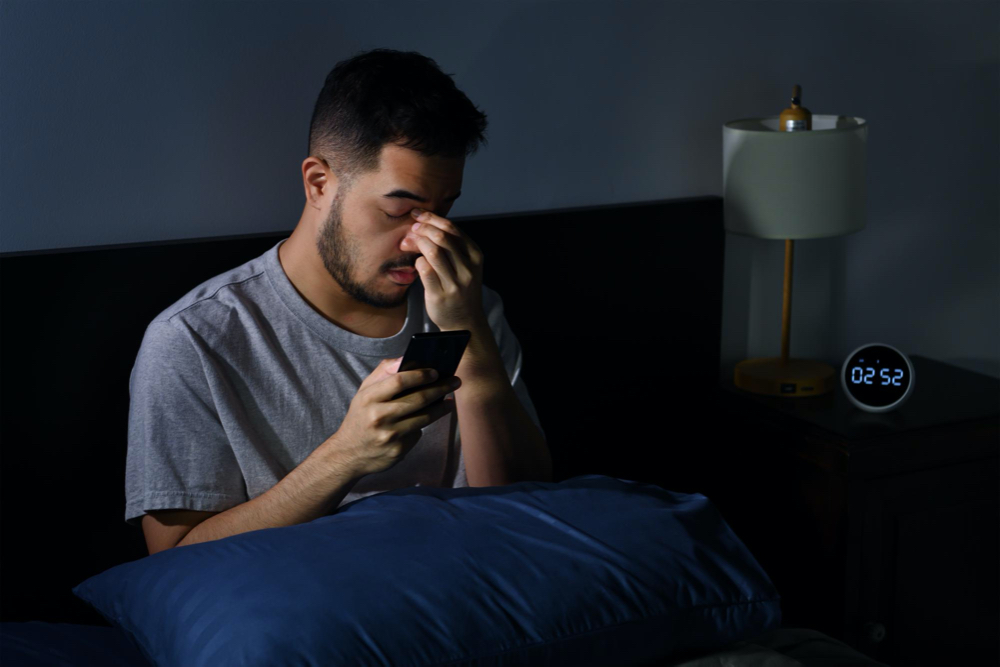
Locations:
column 791, row 379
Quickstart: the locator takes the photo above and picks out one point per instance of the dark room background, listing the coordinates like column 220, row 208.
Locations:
column 132, row 122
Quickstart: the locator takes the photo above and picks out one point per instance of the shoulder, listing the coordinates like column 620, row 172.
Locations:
column 493, row 307
column 211, row 308
column 492, row 301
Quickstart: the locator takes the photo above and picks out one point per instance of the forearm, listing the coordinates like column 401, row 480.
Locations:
column 311, row 490
column 500, row 443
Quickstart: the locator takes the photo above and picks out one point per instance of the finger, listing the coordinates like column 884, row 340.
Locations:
column 458, row 258
column 381, row 380
column 426, row 415
column 392, row 365
column 438, row 259
column 467, row 247
column 428, row 278
column 403, row 384
column 435, row 220
column 441, row 230
column 385, row 368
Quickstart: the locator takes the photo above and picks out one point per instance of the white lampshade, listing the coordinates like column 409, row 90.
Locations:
column 794, row 185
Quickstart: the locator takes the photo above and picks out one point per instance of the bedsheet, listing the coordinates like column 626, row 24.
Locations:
column 37, row 644
column 783, row 647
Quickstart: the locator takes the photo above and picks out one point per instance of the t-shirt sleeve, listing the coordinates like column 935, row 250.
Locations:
column 510, row 351
column 179, row 456
column 513, row 361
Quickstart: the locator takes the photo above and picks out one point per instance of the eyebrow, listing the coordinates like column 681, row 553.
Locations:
column 404, row 194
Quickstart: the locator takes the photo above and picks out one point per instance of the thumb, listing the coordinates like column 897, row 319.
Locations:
column 385, row 368
column 391, row 366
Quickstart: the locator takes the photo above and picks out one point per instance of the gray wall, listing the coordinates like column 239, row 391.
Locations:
column 126, row 122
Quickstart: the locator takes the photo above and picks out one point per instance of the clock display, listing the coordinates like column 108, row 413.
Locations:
column 877, row 377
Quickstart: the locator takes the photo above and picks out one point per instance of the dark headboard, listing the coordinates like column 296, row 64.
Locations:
column 618, row 310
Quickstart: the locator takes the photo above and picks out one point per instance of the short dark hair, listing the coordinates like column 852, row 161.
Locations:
column 385, row 96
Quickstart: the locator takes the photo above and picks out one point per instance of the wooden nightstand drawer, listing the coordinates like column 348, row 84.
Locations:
column 925, row 558
column 879, row 530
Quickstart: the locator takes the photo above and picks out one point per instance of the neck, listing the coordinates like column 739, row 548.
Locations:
column 307, row 274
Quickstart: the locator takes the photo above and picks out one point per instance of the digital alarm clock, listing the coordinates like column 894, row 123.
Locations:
column 877, row 377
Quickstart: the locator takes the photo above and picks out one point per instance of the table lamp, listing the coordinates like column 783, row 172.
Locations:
column 783, row 184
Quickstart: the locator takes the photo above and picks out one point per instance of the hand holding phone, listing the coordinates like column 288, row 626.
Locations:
column 440, row 350
column 385, row 418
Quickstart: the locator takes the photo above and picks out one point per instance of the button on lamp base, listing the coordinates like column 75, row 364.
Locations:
column 771, row 376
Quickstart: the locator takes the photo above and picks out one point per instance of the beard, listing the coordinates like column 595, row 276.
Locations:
column 338, row 253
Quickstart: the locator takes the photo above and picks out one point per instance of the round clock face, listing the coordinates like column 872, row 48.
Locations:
column 877, row 377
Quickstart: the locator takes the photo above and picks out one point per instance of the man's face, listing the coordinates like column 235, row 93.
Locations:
column 359, row 242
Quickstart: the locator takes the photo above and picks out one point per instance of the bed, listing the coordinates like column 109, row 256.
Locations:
column 38, row 644
column 74, row 318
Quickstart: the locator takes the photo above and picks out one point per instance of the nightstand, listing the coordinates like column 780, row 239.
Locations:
column 878, row 529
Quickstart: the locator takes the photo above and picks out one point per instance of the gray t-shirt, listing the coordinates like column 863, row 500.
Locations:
column 241, row 379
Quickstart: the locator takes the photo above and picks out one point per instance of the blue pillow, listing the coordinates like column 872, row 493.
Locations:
column 591, row 570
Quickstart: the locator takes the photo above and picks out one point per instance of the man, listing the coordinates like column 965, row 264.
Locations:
column 263, row 397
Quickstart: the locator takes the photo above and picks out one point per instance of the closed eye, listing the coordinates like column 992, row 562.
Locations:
column 397, row 217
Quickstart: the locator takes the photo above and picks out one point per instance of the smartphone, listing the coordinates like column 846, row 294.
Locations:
column 440, row 350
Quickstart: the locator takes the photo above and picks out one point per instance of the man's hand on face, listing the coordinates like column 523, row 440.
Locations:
column 451, row 270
